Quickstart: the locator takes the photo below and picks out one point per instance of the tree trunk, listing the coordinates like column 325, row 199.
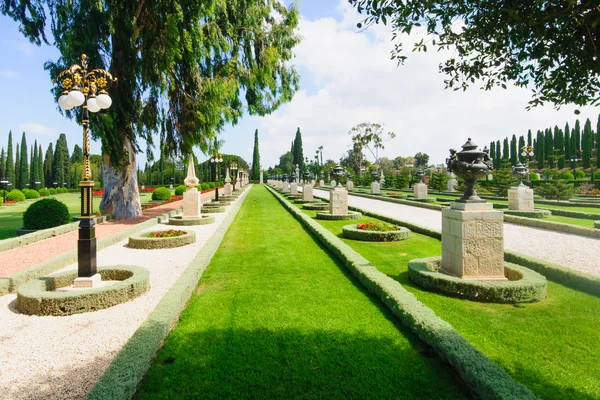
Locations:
column 121, row 197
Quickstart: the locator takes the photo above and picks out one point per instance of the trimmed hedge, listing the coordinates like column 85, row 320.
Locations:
column 161, row 194
column 536, row 213
column 31, row 193
column 180, row 190
column 52, row 191
column 142, row 241
column 46, row 213
column 339, row 217
column 523, row 285
column 575, row 214
column 315, row 206
column 15, row 195
column 554, row 226
column 483, row 376
column 44, row 192
column 181, row 221
column 352, row 232
column 38, row 297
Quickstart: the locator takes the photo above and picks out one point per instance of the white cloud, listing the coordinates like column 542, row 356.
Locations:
column 9, row 74
column 356, row 82
column 39, row 129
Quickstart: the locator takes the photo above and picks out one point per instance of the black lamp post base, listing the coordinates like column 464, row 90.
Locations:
column 86, row 244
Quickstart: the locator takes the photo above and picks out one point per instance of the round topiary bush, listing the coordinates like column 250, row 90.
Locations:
column 15, row 195
column 211, row 185
column 205, row 186
column 52, row 191
column 580, row 174
column 44, row 192
column 161, row 194
column 31, row 194
column 568, row 175
column 46, row 213
column 180, row 190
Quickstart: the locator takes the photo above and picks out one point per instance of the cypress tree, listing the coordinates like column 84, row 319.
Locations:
column 498, row 154
column 529, row 137
column 549, row 147
column 17, row 168
column 297, row 152
column 33, row 166
column 539, row 150
column 40, row 165
column 505, row 151
column 522, row 159
column 61, row 164
column 513, row 150
column 3, row 164
column 10, row 163
column 48, row 164
column 586, row 143
column 567, row 142
column 577, row 138
column 24, row 167
column 255, row 159
column 493, row 152
column 559, row 147
column 598, row 142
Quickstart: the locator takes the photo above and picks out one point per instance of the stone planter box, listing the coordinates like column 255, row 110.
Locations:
column 339, row 217
column 190, row 221
column 523, row 285
column 39, row 296
column 316, row 206
column 142, row 241
column 352, row 232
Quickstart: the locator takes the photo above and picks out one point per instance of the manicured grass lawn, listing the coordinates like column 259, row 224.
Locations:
column 553, row 347
column 11, row 216
column 276, row 317
column 586, row 223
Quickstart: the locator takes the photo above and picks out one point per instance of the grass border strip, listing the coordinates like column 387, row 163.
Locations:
column 125, row 372
column 13, row 281
column 482, row 375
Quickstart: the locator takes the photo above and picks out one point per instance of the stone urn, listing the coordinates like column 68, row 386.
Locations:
column 519, row 172
column 470, row 164
column 375, row 176
column 420, row 174
column 308, row 176
column 338, row 173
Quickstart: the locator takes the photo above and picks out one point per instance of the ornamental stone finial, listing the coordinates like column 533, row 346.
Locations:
column 191, row 181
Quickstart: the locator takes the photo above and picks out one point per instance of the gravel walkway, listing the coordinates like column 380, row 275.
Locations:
column 572, row 251
column 63, row 357
column 17, row 259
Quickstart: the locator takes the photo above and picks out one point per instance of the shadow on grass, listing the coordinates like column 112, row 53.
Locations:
column 285, row 364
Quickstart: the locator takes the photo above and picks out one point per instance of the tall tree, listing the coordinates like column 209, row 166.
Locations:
column 559, row 147
column 77, row 156
column 505, row 150
column 188, row 64
column 370, row 136
column 10, row 162
column 17, row 168
column 255, row 159
column 498, row 155
column 540, row 152
column 587, row 143
column 522, row 159
column 567, row 141
column 3, row 164
column 24, row 164
column 61, row 162
column 529, row 138
column 549, row 147
column 577, row 137
column 501, row 42
column 48, row 167
column 493, row 152
column 598, row 142
column 33, row 169
column 40, row 165
column 297, row 150
column 513, row 150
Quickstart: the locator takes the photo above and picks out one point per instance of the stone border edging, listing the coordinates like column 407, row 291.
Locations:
column 13, row 281
column 125, row 372
column 212, row 209
column 41, row 234
column 482, row 375
column 339, row 217
column 315, row 206
column 181, row 221
column 352, row 232
column 38, row 296
column 143, row 242
column 529, row 286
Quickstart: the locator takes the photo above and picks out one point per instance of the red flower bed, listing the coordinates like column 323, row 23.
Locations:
column 166, row 234
column 10, row 202
column 147, row 190
column 99, row 192
column 160, row 203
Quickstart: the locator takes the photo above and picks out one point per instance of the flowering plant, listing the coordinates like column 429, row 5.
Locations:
column 166, row 234
column 376, row 226
column 99, row 192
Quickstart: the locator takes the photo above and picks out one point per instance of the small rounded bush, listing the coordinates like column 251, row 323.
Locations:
column 567, row 175
column 46, row 213
column 205, row 186
column 2, row 193
column 211, row 185
column 15, row 195
column 31, row 194
column 580, row 174
column 44, row 192
column 533, row 176
column 63, row 190
column 180, row 190
column 161, row 194
column 52, row 191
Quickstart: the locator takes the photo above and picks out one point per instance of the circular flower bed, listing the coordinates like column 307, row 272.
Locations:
column 39, row 296
column 315, row 206
column 375, row 232
column 161, row 239
column 339, row 217
column 523, row 285
column 189, row 221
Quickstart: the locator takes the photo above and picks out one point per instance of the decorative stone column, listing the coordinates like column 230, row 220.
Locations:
column 520, row 197
column 375, row 186
column 307, row 192
column 261, row 177
column 286, row 184
column 227, row 191
column 420, row 189
column 293, row 188
column 321, row 183
column 338, row 200
column 192, row 202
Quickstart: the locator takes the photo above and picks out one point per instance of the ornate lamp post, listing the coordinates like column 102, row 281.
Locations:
column 234, row 168
column 527, row 152
column 4, row 181
column 216, row 159
column 88, row 89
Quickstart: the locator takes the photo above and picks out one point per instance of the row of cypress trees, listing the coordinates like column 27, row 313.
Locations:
column 553, row 147
column 46, row 168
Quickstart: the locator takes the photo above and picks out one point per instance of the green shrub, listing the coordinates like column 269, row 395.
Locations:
column 556, row 191
column 211, row 185
column 161, row 194
column 533, row 176
column 31, row 194
column 597, row 175
column 179, row 190
column 46, row 213
column 2, row 193
column 568, row 175
column 205, row 186
column 15, row 195
column 580, row 174
column 62, row 190
column 1, row 199
column 44, row 192
column 52, row 191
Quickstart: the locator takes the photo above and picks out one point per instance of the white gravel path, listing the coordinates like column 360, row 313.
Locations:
column 63, row 357
column 572, row 251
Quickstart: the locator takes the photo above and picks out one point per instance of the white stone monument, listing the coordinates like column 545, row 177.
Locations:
column 520, row 198
column 349, row 185
column 375, row 188
column 191, row 198
column 286, row 186
column 227, row 191
column 338, row 200
column 420, row 190
column 307, row 192
column 321, row 183
column 293, row 188
column 261, row 177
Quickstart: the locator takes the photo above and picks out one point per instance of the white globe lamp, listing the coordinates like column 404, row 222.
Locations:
column 63, row 102
column 103, row 100
column 92, row 105
column 76, row 98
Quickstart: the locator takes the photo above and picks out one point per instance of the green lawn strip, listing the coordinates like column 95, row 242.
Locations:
column 586, row 223
column 275, row 316
column 12, row 215
column 552, row 346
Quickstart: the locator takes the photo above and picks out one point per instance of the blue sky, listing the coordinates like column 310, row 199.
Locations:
column 346, row 78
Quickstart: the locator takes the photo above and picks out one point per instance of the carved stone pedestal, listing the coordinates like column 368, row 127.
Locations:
column 520, row 198
column 338, row 201
column 420, row 191
column 375, row 188
column 307, row 192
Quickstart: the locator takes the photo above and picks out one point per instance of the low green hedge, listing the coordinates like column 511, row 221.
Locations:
column 44, row 192
column 354, row 233
column 551, row 225
column 536, row 213
column 142, row 241
column 31, row 193
column 523, row 285
column 38, row 297
column 46, row 213
column 181, row 221
column 575, row 214
column 483, row 376
column 399, row 201
column 52, row 191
